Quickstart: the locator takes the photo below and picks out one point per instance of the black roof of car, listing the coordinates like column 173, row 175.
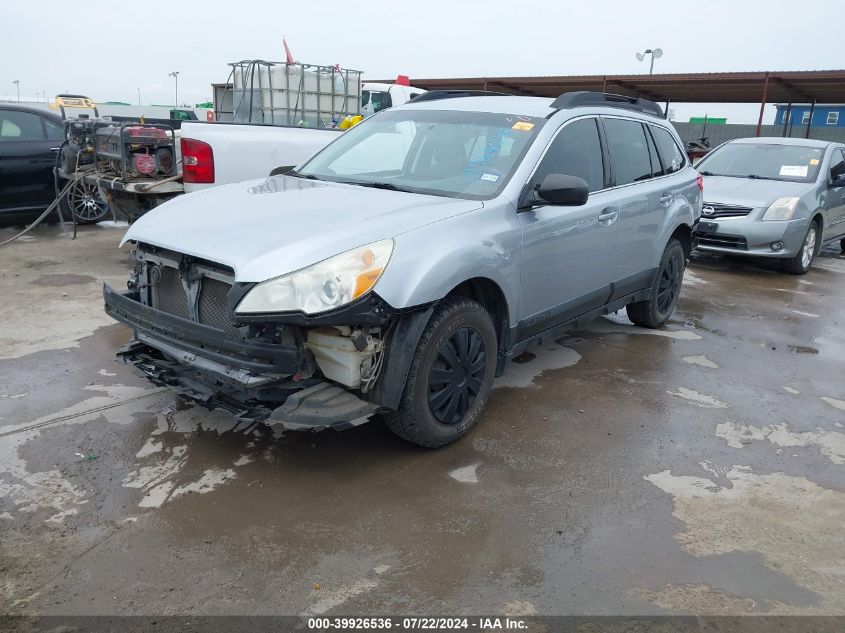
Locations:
column 11, row 105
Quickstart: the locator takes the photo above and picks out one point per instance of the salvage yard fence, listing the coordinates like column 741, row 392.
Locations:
column 718, row 134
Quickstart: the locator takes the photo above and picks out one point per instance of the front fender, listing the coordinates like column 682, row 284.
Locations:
column 432, row 260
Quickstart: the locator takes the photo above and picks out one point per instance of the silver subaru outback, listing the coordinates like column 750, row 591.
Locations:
column 399, row 269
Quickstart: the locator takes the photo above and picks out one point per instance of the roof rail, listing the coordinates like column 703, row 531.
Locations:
column 436, row 95
column 608, row 100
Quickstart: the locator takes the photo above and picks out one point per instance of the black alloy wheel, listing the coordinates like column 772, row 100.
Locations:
column 457, row 375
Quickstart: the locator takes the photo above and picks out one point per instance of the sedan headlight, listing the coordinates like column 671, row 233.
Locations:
column 323, row 286
column 781, row 209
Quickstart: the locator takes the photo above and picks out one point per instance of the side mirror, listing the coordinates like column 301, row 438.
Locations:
column 838, row 181
column 282, row 170
column 562, row 190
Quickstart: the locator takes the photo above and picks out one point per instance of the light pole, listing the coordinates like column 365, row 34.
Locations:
column 175, row 75
column 17, row 83
column 656, row 53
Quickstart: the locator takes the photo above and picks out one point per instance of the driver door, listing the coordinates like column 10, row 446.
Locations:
column 569, row 253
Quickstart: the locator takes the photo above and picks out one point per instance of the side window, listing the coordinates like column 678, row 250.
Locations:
column 656, row 168
column 575, row 151
column 837, row 164
column 20, row 126
column 55, row 131
column 628, row 150
column 381, row 101
column 670, row 154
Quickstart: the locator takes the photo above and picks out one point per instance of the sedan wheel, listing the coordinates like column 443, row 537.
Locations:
column 809, row 248
column 803, row 260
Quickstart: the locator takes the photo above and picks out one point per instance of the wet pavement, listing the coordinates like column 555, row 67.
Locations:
column 695, row 469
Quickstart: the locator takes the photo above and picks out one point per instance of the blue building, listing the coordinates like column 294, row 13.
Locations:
column 825, row 116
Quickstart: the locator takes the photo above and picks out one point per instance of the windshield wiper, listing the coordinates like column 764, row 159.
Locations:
column 758, row 177
column 378, row 185
column 709, row 173
column 297, row 174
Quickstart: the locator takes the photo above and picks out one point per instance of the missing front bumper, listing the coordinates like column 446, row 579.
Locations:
column 313, row 405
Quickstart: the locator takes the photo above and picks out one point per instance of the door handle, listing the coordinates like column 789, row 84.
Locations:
column 666, row 199
column 608, row 216
column 55, row 149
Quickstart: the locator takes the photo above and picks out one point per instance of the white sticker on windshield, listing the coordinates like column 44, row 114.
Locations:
column 796, row 171
column 490, row 177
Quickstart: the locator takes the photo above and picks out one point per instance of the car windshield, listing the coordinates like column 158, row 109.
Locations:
column 794, row 163
column 439, row 152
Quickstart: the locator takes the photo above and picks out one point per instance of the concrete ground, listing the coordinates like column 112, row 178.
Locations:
column 695, row 469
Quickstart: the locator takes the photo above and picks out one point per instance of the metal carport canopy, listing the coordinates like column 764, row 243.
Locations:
column 805, row 86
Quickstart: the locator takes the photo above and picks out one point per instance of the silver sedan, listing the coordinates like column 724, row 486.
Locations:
column 773, row 197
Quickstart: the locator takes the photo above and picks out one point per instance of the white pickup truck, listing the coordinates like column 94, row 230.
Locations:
column 221, row 153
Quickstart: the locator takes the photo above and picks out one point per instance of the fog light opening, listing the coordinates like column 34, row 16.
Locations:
column 777, row 246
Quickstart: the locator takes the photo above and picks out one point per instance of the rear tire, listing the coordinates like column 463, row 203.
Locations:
column 842, row 244
column 450, row 378
column 656, row 310
column 803, row 260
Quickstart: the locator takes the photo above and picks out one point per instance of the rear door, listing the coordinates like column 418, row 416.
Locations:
column 569, row 253
column 27, row 156
column 644, row 200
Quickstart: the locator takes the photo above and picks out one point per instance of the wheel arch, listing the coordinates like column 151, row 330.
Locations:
column 683, row 233
column 490, row 295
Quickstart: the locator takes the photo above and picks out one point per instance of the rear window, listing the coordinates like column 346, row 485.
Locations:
column 671, row 155
column 16, row 125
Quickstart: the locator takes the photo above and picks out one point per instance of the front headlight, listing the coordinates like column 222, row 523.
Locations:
column 323, row 286
column 781, row 209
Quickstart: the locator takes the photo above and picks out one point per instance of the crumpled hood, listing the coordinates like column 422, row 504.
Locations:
column 269, row 227
column 748, row 192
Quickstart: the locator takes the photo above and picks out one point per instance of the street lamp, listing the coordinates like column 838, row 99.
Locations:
column 656, row 53
column 175, row 75
column 17, row 83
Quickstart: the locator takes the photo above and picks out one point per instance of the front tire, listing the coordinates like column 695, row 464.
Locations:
column 450, row 378
column 656, row 310
column 803, row 260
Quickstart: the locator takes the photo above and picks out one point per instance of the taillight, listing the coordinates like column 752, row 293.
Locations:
column 197, row 161
column 698, row 180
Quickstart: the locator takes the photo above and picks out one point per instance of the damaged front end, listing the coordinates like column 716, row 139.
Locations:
column 304, row 372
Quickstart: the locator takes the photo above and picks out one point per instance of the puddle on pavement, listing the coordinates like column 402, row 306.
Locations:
column 523, row 372
column 619, row 323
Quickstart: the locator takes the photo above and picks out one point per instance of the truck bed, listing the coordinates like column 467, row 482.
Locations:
column 245, row 150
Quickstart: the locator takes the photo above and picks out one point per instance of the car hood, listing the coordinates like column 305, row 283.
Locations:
column 748, row 192
column 269, row 227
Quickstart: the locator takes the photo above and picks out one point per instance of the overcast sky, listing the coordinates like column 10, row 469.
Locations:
column 110, row 50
